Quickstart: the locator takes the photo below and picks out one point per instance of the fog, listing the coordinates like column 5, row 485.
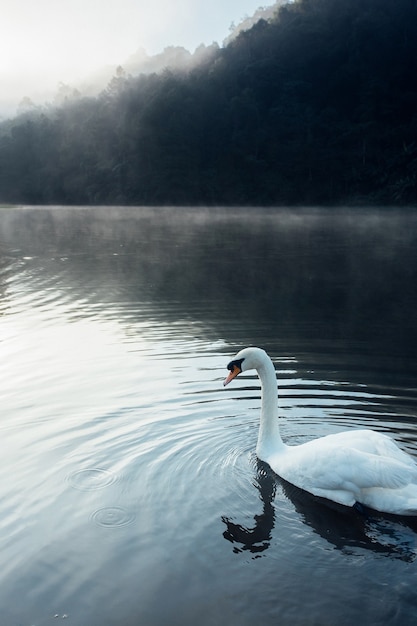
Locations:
column 263, row 121
column 44, row 44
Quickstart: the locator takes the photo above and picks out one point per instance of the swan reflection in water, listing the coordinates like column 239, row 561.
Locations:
column 346, row 529
column 257, row 538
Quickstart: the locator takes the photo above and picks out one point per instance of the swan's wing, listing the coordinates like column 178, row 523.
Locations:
column 380, row 444
column 318, row 469
column 366, row 470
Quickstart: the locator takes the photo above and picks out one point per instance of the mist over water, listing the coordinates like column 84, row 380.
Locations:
column 131, row 491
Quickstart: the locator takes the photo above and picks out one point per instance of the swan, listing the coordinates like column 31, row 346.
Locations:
column 357, row 468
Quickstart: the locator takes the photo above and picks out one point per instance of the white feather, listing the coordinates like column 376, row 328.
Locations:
column 354, row 466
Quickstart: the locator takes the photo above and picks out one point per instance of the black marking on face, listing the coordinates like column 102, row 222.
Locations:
column 237, row 363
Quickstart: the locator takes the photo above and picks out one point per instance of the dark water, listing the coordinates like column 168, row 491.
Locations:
column 130, row 493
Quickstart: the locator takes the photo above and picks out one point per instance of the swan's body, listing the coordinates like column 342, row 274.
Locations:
column 358, row 466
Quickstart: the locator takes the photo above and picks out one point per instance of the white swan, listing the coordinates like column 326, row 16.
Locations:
column 357, row 466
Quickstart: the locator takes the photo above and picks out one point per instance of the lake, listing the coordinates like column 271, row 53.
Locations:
column 131, row 493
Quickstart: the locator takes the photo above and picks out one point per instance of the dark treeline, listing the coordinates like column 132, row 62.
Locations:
column 318, row 105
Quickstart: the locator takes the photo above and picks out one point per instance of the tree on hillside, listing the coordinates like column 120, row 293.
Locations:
column 314, row 105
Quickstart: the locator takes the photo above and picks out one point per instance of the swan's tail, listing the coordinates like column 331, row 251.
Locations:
column 398, row 501
column 410, row 509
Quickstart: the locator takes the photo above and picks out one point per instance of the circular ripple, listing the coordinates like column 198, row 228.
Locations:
column 91, row 479
column 113, row 516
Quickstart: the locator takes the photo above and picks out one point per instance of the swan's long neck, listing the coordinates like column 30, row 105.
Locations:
column 269, row 439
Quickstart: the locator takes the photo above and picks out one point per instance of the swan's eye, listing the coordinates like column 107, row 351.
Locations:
column 235, row 367
column 233, row 364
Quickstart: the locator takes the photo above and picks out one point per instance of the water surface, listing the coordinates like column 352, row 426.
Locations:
column 130, row 491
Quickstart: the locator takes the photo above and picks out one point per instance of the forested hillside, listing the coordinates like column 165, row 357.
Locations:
column 317, row 105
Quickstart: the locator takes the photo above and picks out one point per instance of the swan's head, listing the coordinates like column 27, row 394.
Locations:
column 246, row 359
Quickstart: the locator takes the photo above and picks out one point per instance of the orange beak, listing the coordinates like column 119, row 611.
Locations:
column 232, row 374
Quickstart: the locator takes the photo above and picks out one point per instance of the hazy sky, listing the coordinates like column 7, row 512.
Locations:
column 43, row 42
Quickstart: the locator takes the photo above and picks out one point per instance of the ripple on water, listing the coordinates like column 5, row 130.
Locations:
column 113, row 517
column 91, row 479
